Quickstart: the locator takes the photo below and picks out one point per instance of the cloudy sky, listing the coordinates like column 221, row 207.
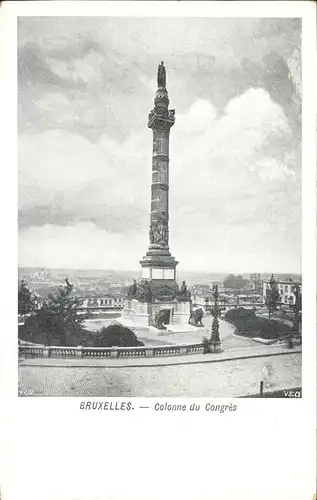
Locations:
column 86, row 86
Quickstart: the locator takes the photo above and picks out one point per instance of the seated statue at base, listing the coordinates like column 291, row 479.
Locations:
column 132, row 290
column 184, row 294
column 144, row 292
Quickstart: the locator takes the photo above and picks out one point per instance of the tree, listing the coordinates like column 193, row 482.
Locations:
column 117, row 335
column 58, row 318
column 272, row 296
column 234, row 282
column 297, row 309
column 25, row 299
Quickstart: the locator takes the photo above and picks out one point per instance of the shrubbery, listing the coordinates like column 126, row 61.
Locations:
column 240, row 313
column 112, row 335
column 247, row 323
column 116, row 335
column 33, row 332
column 58, row 322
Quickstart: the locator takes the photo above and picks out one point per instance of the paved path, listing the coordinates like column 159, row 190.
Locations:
column 233, row 378
column 151, row 337
column 236, row 371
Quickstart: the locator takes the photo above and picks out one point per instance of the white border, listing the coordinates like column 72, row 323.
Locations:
column 264, row 451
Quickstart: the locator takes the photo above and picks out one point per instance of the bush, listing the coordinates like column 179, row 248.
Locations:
column 248, row 324
column 112, row 335
column 32, row 333
column 240, row 313
column 116, row 335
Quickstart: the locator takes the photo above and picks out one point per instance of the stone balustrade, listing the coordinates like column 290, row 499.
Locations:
column 32, row 351
column 27, row 351
column 95, row 352
column 62, row 352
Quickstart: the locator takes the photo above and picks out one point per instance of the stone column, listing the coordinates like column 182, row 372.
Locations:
column 158, row 263
column 160, row 121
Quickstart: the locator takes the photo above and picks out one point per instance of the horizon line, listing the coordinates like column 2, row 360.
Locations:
column 139, row 270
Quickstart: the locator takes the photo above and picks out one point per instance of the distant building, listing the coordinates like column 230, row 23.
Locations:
column 285, row 289
column 101, row 302
column 227, row 301
column 255, row 277
column 38, row 301
column 201, row 290
column 255, row 281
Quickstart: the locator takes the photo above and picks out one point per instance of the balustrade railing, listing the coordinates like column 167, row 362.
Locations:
column 109, row 352
column 96, row 352
column 166, row 351
column 131, row 352
column 62, row 352
column 31, row 351
column 195, row 349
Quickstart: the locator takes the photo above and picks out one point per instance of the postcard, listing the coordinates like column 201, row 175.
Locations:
column 161, row 340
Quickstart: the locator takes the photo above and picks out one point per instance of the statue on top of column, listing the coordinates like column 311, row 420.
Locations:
column 161, row 75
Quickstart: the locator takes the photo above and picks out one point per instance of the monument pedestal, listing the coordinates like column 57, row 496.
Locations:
column 139, row 314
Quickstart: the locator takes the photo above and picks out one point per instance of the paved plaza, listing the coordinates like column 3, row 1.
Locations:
column 150, row 335
column 231, row 378
column 237, row 371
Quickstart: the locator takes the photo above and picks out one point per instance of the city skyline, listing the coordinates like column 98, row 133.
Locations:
column 85, row 150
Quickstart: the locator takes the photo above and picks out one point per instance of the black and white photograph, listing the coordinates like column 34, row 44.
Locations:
column 158, row 250
column 160, row 206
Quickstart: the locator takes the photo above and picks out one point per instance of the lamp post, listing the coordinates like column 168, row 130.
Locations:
column 215, row 342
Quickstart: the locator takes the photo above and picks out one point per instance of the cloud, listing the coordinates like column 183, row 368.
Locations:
column 227, row 38
column 229, row 147
column 85, row 89
column 106, row 67
column 269, row 168
column 61, row 162
column 80, row 70
column 221, row 181
column 54, row 246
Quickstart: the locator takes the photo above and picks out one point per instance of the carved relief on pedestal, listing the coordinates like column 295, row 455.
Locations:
column 159, row 229
column 164, row 291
